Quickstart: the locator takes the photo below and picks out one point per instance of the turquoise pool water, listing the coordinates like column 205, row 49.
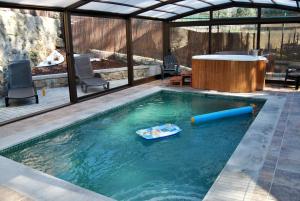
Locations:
column 105, row 155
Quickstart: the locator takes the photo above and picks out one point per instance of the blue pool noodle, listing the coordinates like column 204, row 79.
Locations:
column 221, row 114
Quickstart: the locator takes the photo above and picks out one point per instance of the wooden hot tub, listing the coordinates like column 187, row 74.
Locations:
column 228, row 73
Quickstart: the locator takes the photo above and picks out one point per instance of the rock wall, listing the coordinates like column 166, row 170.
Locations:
column 27, row 36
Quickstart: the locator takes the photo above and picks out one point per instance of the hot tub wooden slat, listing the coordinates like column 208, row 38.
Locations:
column 228, row 76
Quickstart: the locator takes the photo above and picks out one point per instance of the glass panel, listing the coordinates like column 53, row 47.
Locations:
column 193, row 3
column 235, row 12
column 196, row 17
column 189, row 41
column 53, row 3
column 263, row 1
column 247, row 1
column 35, row 36
column 240, row 38
column 216, row 2
column 138, row 3
column 157, row 14
column 108, row 8
column 174, row 8
column 286, row 3
column 100, row 53
column 282, row 43
column 268, row 12
column 147, row 48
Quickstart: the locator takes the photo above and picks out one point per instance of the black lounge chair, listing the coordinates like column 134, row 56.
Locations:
column 292, row 74
column 86, row 75
column 170, row 65
column 19, row 82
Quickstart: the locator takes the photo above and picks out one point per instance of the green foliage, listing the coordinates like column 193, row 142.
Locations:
column 33, row 55
column 268, row 12
column 235, row 13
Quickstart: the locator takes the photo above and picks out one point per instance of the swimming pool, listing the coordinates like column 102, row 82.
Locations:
column 105, row 155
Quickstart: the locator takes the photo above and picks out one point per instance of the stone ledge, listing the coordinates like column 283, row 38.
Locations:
column 109, row 70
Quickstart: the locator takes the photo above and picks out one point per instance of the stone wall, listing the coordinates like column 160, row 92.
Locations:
column 24, row 36
column 27, row 36
column 61, row 80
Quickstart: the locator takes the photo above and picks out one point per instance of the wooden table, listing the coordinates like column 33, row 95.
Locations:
column 228, row 73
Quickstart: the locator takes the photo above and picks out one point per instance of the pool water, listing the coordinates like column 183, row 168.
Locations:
column 105, row 155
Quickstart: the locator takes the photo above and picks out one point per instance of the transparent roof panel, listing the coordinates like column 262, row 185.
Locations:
column 216, row 2
column 168, row 9
column 156, row 14
column 193, row 3
column 137, row 3
column 52, row 3
column 263, row 1
column 247, row 1
column 174, row 8
column 286, row 3
column 97, row 6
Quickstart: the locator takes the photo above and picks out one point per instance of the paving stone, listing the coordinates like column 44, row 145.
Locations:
column 7, row 194
column 284, row 193
column 289, row 165
column 290, row 153
column 267, row 173
column 286, row 178
column 54, row 97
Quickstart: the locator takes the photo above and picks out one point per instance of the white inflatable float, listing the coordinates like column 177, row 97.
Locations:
column 53, row 59
column 159, row 131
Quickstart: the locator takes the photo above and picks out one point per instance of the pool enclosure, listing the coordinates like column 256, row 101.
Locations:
column 126, row 41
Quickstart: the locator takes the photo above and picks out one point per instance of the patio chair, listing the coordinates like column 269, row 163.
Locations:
column 19, row 82
column 292, row 74
column 86, row 75
column 170, row 65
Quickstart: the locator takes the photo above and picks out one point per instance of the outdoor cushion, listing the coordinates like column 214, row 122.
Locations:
column 19, row 74
column 21, row 92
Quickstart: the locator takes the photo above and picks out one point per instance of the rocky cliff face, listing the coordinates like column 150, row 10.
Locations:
column 26, row 36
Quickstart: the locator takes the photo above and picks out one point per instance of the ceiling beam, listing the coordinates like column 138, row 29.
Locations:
column 234, row 21
column 216, row 7
column 207, row 2
column 117, row 3
column 185, row 6
column 233, row 4
column 128, row 5
column 30, row 7
column 162, row 3
column 92, row 13
column 78, row 4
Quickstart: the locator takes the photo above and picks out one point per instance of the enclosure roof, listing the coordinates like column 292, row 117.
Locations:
column 152, row 9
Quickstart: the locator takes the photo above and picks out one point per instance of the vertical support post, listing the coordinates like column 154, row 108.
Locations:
column 166, row 38
column 258, row 29
column 67, row 30
column 129, row 51
column 210, row 33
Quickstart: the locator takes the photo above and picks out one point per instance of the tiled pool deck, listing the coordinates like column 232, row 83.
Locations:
column 54, row 97
column 265, row 165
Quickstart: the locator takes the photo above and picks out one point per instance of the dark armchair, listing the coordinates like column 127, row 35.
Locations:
column 170, row 66
column 292, row 74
